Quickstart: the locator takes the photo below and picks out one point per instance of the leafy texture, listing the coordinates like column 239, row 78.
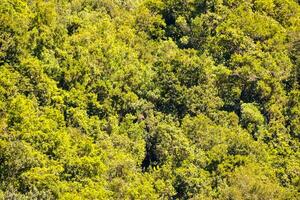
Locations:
column 149, row 99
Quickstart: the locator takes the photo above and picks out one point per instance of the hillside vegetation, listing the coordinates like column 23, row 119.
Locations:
column 149, row 99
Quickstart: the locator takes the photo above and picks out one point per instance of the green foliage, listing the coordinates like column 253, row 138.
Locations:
column 149, row 99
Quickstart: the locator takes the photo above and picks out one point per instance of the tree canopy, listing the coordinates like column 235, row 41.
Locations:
column 150, row 99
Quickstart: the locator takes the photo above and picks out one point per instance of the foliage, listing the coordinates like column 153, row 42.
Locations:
column 149, row 99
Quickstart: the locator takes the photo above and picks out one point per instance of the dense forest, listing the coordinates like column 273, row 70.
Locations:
column 149, row 99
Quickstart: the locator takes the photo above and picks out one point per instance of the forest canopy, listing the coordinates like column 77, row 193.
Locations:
column 150, row 99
